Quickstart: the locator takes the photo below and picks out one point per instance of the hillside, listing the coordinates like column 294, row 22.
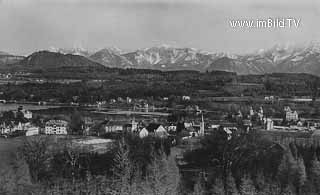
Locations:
column 111, row 58
column 6, row 58
column 45, row 60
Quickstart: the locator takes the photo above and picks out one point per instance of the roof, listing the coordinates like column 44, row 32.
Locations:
column 114, row 123
column 143, row 133
column 56, row 122
column 152, row 127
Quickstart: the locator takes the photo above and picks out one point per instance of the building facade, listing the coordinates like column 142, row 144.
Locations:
column 56, row 127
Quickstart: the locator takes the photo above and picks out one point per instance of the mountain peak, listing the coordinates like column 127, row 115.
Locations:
column 74, row 51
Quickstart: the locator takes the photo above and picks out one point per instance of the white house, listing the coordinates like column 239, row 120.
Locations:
column 269, row 124
column 161, row 132
column 172, row 128
column 143, row 133
column 27, row 114
column 56, row 127
column 292, row 116
column 186, row 98
column 32, row 131
column 114, row 126
column 129, row 100
column 4, row 129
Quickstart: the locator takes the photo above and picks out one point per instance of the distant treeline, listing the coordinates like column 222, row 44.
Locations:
column 142, row 83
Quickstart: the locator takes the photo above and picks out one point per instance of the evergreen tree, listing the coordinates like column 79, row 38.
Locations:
column 76, row 123
column 247, row 187
column 288, row 191
column 199, row 188
column 314, row 173
column 301, row 173
column 230, row 186
column 122, row 169
column 161, row 178
column 217, row 187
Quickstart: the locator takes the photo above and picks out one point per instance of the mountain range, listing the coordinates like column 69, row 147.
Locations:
column 279, row 59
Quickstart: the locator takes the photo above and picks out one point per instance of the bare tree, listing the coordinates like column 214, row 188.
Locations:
column 36, row 153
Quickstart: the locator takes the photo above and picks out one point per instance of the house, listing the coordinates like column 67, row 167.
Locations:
column 146, row 107
column 56, row 127
column 251, row 112
column 292, row 116
column 131, row 127
column 186, row 98
column 269, row 123
column 88, row 123
column 228, row 132
column 129, row 100
column 161, row 132
column 187, row 124
column 269, row 98
column 172, row 128
column 114, row 126
column 27, row 114
column 19, row 127
column 5, row 129
column 260, row 114
column 247, row 124
column 143, row 133
column 32, row 130
column 134, row 125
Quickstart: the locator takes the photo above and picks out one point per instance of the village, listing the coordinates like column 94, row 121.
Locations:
column 146, row 120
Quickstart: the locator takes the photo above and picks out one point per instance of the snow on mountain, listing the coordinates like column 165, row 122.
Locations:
column 280, row 58
column 74, row 51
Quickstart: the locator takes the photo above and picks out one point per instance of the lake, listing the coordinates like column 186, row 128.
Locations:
column 8, row 107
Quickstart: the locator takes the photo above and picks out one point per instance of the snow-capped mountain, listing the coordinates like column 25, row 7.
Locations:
column 279, row 58
column 161, row 57
column 74, row 51
column 111, row 57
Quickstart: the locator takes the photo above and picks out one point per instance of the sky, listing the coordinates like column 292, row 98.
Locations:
column 31, row 25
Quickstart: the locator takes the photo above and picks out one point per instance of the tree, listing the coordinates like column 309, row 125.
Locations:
column 230, row 186
column 217, row 188
column 76, row 123
column 199, row 188
column 36, row 154
column 314, row 174
column 247, row 187
column 15, row 178
column 161, row 178
column 288, row 191
column 301, row 173
column 123, row 169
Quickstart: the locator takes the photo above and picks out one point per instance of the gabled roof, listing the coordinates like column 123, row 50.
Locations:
column 143, row 133
column 114, row 123
column 152, row 127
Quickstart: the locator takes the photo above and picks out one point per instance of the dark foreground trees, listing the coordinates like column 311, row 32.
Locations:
column 250, row 164
column 246, row 164
column 132, row 166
